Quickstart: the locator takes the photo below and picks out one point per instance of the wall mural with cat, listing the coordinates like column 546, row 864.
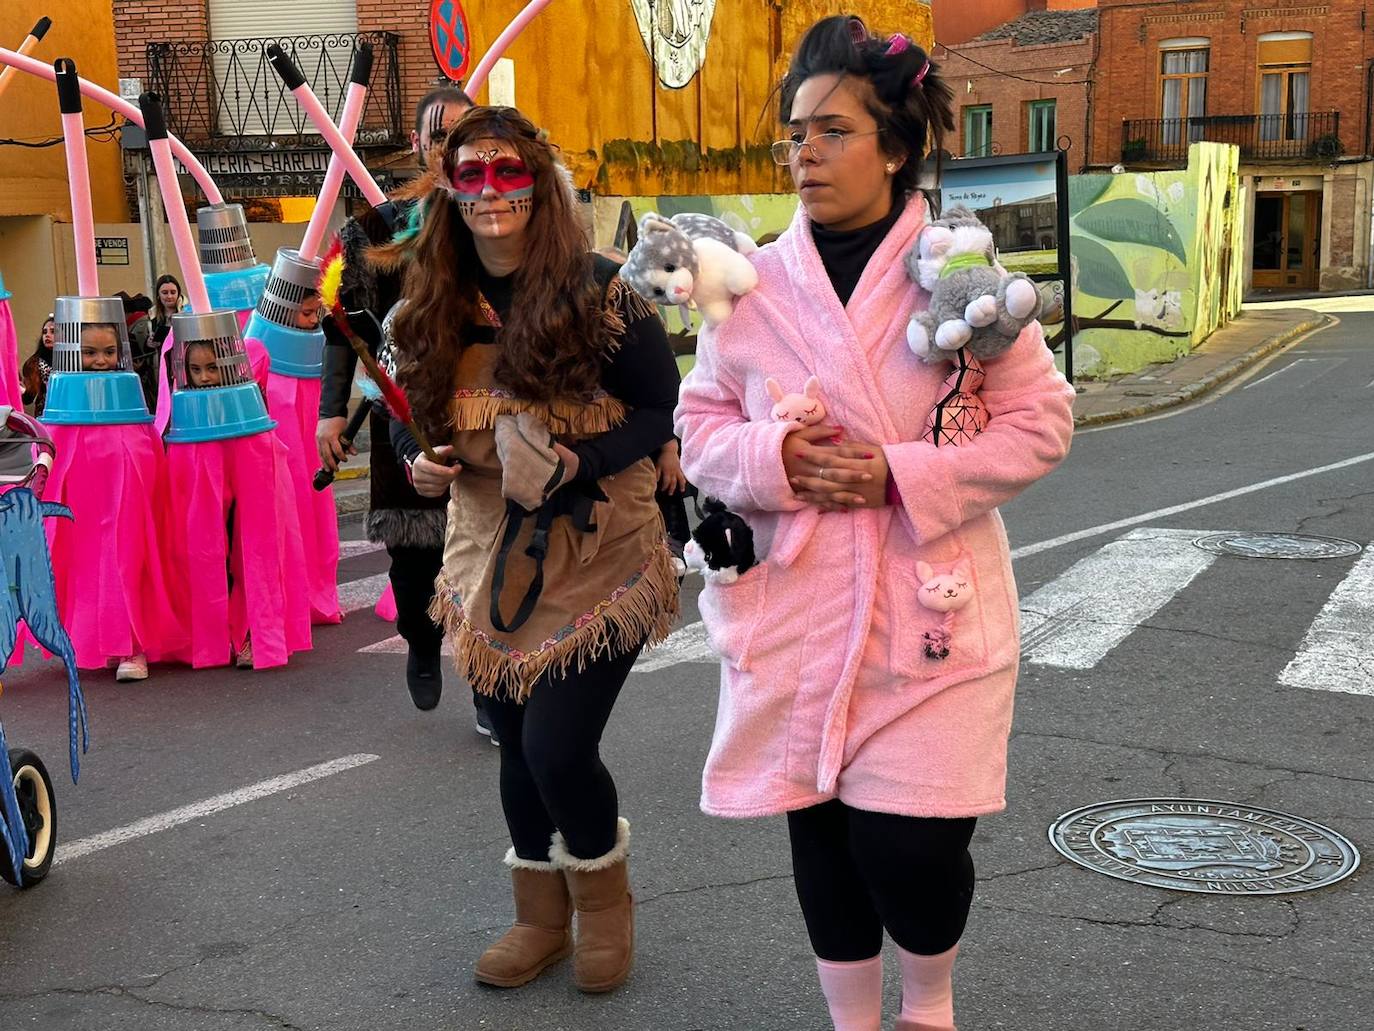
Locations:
column 1158, row 260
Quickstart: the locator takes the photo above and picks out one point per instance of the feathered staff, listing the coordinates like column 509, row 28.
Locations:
column 331, row 278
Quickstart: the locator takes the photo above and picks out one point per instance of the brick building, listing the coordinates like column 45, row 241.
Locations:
column 1286, row 81
column 1024, row 86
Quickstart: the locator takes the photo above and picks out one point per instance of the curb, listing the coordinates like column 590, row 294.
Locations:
column 1208, row 383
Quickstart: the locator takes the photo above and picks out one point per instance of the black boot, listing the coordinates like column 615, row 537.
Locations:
column 425, row 679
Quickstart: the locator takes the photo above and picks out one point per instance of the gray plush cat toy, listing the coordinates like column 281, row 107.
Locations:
column 692, row 260
column 974, row 302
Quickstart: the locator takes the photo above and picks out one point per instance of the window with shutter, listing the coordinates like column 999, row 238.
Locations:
column 318, row 33
column 1285, row 84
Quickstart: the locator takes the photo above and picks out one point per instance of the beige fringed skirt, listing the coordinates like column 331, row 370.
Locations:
column 605, row 591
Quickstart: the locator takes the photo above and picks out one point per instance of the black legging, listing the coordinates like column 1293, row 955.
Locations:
column 552, row 776
column 859, row 872
column 413, row 571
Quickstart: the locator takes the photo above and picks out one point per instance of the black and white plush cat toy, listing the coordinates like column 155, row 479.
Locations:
column 722, row 545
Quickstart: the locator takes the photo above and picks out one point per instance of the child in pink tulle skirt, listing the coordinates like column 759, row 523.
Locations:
column 238, row 539
column 294, row 402
column 110, row 560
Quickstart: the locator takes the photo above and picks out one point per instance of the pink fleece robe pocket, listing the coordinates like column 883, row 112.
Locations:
column 968, row 643
column 732, row 612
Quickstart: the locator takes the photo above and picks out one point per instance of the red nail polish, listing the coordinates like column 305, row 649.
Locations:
column 868, row 457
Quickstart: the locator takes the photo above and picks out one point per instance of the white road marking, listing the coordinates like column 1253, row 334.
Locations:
column 685, row 644
column 1026, row 550
column 1076, row 619
column 1277, row 372
column 1338, row 652
column 352, row 549
column 207, row 807
column 1316, row 369
column 356, row 595
column 397, row 646
column 1213, row 396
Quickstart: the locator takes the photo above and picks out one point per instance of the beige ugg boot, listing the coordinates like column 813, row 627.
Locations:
column 542, row 933
column 600, row 889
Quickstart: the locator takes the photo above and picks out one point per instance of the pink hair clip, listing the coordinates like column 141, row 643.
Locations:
column 896, row 43
column 858, row 31
column 921, row 75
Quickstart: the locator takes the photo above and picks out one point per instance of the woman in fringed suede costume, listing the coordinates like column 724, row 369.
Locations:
column 549, row 383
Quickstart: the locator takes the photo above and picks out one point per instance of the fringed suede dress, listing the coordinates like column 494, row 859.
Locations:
column 608, row 581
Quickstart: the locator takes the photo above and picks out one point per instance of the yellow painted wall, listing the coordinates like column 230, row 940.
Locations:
column 583, row 72
column 34, row 182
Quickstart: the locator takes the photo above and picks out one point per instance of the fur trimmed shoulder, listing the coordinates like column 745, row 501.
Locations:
column 623, row 308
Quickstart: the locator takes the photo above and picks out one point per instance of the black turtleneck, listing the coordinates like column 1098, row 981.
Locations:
column 845, row 253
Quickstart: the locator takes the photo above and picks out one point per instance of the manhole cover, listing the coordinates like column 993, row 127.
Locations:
column 1277, row 545
column 1195, row 845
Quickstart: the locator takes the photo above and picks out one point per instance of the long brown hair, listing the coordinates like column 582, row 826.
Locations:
column 554, row 335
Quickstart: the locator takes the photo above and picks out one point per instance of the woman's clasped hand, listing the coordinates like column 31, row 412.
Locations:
column 833, row 473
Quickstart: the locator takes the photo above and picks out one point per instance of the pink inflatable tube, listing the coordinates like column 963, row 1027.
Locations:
column 182, row 240
column 78, row 176
column 349, row 118
column 123, row 107
column 31, row 41
column 295, row 82
column 479, row 77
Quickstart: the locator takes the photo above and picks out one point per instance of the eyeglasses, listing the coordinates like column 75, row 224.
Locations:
column 823, row 146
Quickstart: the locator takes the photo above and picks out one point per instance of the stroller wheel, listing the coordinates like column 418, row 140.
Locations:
column 38, row 806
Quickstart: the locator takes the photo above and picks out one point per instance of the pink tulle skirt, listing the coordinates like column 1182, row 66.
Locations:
column 115, row 590
column 295, row 405
column 248, row 478
column 386, row 605
column 11, row 386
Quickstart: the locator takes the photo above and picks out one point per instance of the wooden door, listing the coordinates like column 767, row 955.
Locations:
column 1287, row 241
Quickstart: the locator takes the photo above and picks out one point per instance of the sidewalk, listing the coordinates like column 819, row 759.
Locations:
column 1251, row 337
column 1231, row 349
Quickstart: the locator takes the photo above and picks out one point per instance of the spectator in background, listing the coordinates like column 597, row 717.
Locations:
column 170, row 300
column 39, row 367
column 144, row 349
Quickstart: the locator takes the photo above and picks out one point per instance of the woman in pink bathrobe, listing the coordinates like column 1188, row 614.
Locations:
column 831, row 709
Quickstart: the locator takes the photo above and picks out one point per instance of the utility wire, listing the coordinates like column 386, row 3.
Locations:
column 1012, row 75
column 100, row 133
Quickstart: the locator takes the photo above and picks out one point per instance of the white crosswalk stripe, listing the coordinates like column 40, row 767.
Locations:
column 356, row 595
column 1338, row 652
column 352, row 549
column 685, row 644
column 1076, row 619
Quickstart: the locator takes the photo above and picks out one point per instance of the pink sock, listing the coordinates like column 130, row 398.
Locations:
column 853, row 993
column 928, row 988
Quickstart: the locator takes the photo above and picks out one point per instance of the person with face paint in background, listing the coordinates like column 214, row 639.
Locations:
column 547, row 384
column 410, row 526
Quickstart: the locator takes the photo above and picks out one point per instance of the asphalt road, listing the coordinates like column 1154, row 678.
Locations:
column 360, row 899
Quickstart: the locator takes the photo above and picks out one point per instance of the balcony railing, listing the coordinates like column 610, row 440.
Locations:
column 223, row 94
column 1310, row 136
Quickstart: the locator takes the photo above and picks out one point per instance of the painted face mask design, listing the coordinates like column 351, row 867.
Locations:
column 507, row 176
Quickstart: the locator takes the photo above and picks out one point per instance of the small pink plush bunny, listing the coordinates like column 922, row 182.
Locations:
column 947, row 593
column 805, row 408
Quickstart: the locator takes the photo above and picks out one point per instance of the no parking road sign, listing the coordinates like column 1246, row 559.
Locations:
column 449, row 37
